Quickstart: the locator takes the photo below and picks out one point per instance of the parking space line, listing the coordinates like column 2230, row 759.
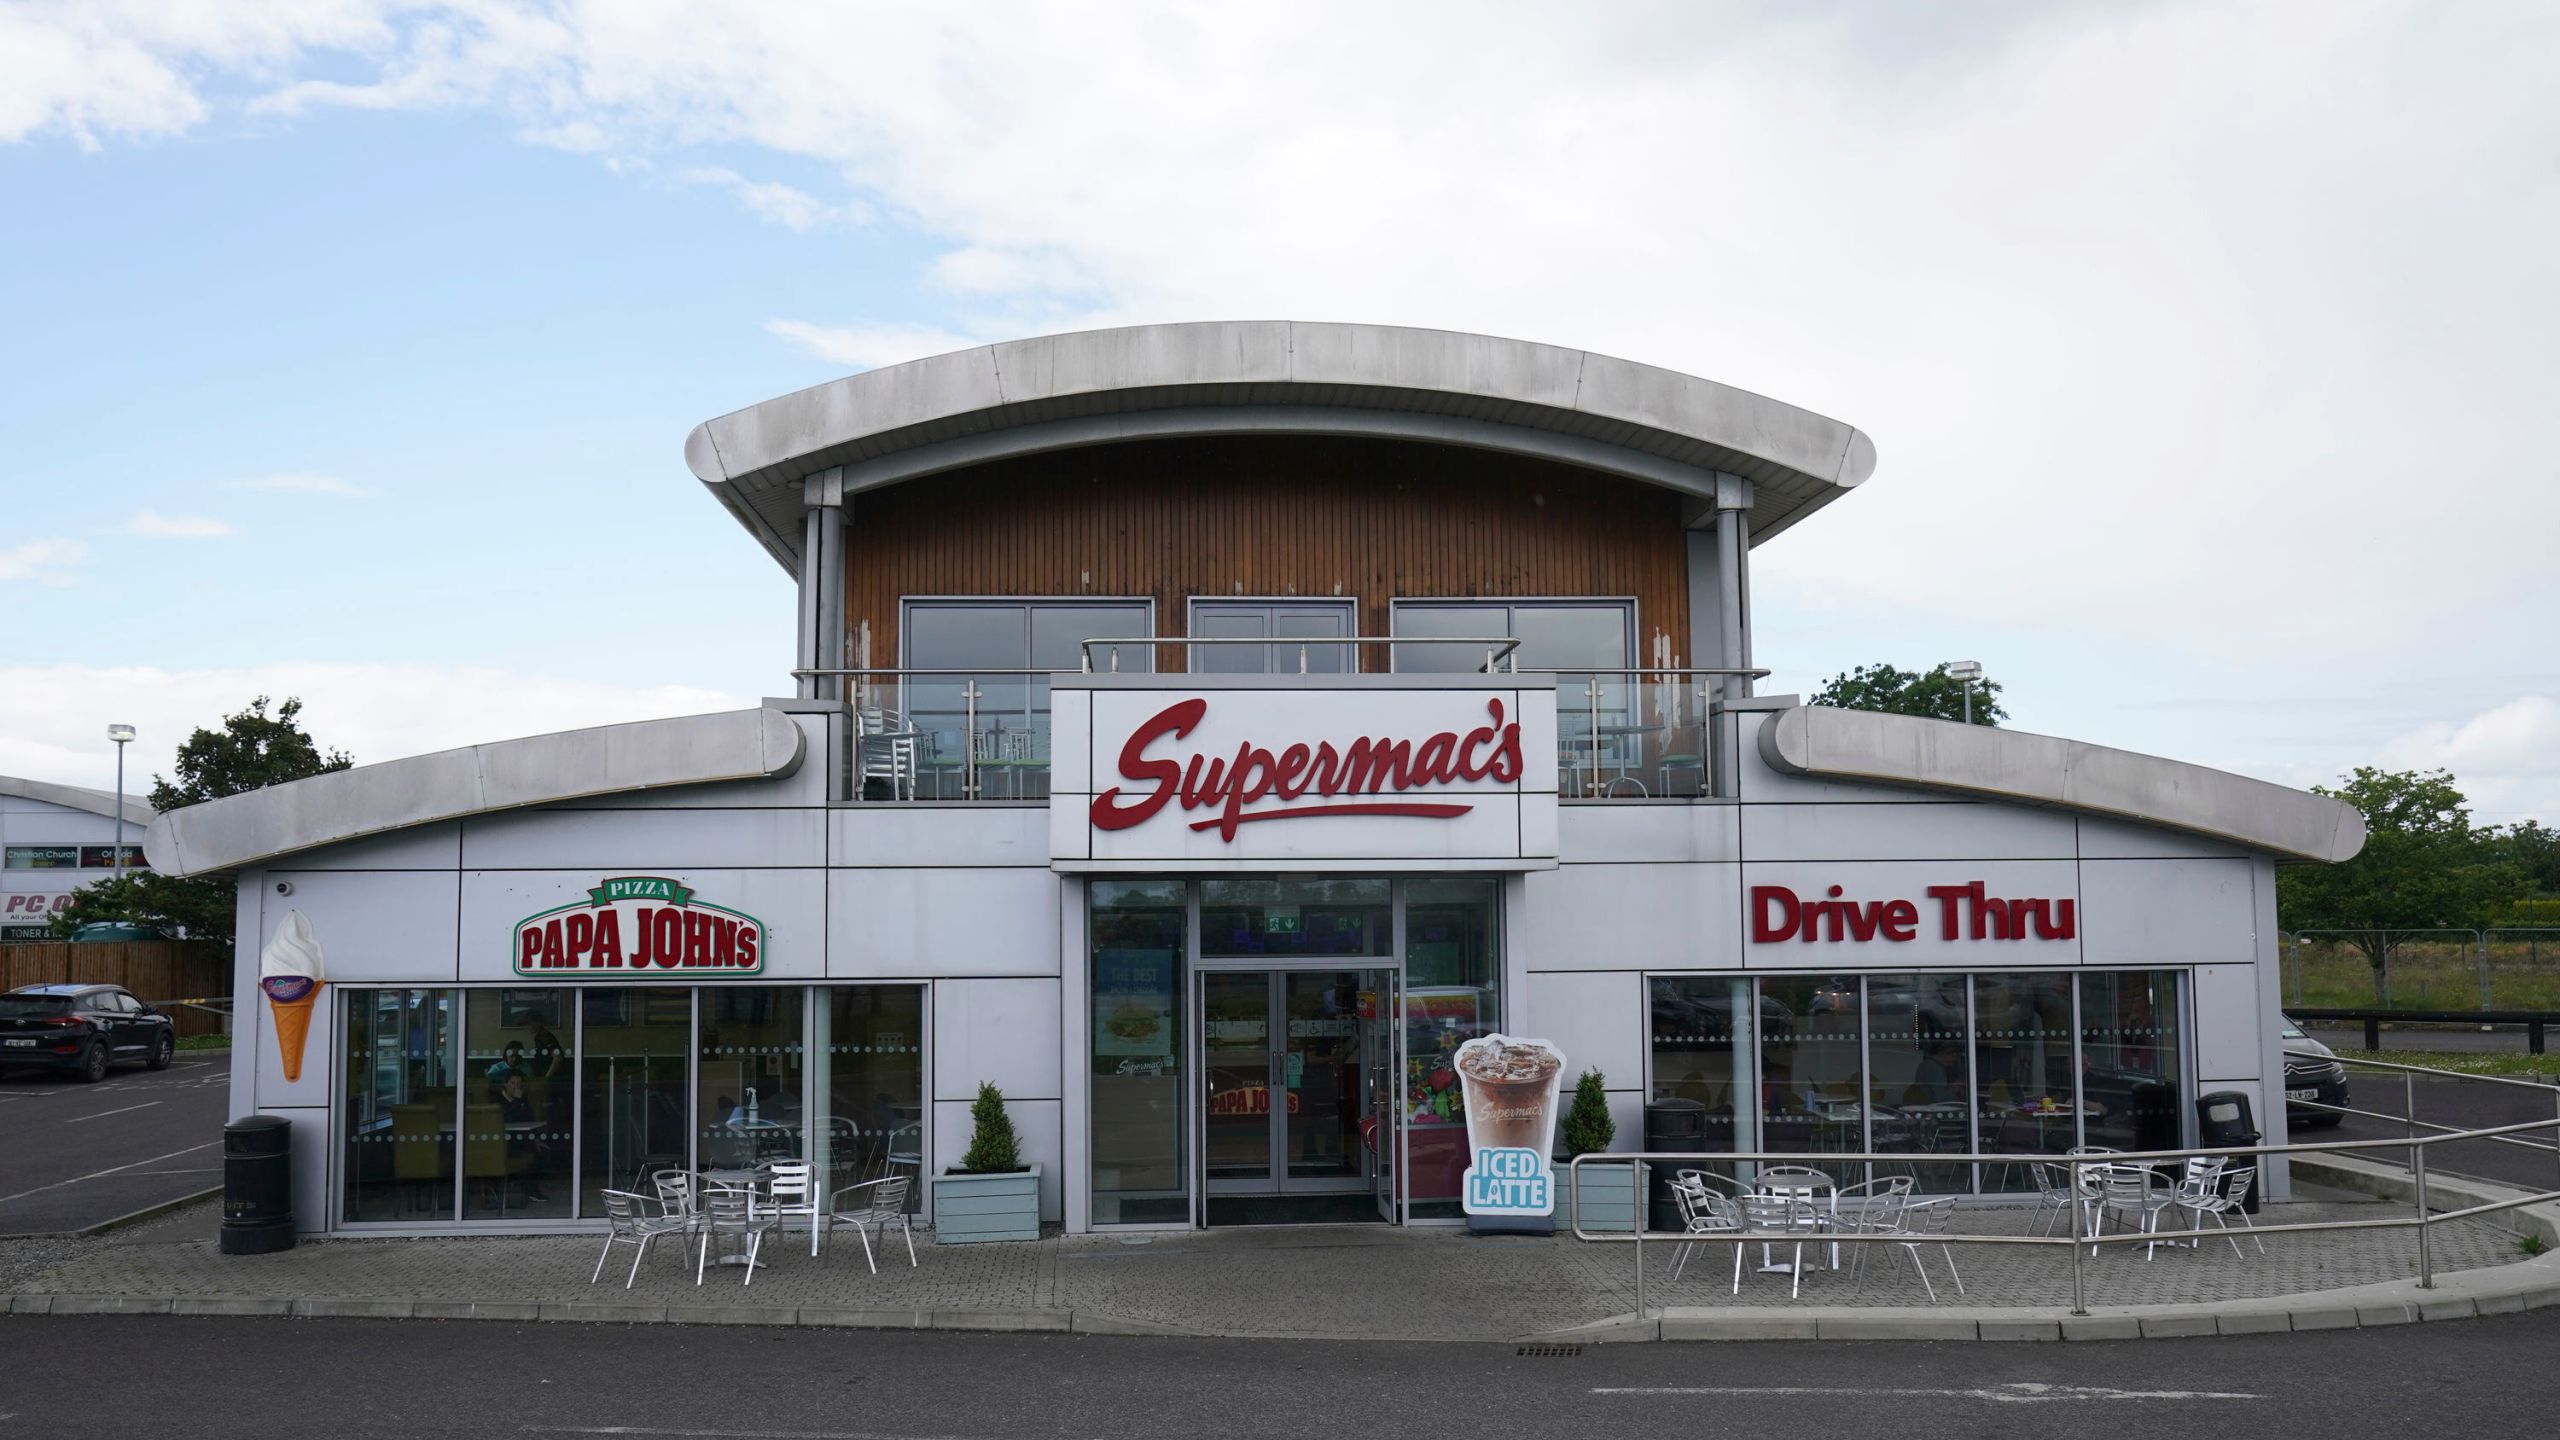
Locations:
column 103, row 1114
column 111, row 1170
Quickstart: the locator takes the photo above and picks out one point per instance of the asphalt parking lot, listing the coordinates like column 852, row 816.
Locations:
column 75, row 1155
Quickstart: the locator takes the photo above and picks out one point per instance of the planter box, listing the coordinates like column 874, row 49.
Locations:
column 1608, row 1197
column 970, row 1208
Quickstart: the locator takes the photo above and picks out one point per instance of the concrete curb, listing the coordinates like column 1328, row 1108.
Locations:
column 130, row 1217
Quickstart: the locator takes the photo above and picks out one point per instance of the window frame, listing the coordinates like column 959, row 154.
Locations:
column 907, row 606
column 1628, row 605
column 1349, row 605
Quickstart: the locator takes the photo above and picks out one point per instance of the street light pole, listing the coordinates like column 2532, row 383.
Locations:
column 123, row 736
column 1967, row 671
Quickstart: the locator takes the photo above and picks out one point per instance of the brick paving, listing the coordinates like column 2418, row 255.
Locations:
column 1367, row 1281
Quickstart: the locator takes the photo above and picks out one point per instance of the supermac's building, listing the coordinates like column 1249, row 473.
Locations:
column 1198, row 732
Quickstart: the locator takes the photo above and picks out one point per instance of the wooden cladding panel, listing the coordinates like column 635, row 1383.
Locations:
column 1364, row 520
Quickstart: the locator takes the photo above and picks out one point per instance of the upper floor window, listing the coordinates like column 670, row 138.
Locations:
column 1291, row 622
column 1553, row 634
column 1019, row 635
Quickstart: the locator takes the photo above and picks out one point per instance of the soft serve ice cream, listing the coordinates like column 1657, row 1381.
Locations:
column 289, row 971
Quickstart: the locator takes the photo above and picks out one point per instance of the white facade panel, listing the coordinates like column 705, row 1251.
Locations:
column 2104, row 839
column 2166, row 912
column 428, row 847
column 1037, row 1130
column 1869, row 831
column 650, row 841
column 2230, row 1027
column 790, row 903
column 1632, row 917
column 945, row 835
column 1596, row 1018
column 1603, row 833
column 999, row 1032
column 1873, row 935
column 922, row 923
column 374, row 926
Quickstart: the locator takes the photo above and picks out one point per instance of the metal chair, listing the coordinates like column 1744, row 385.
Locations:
column 1918, row 1223
column 886, row 750
column 2053, row 1193
column 791, row 1191
column 1702, row 1213
column 1777, row 1219
column 730, row 1210
column 887, row 1205
column 628, row 1222
column 2228, row 1198
column 2133, row 1195
column 676, row 1196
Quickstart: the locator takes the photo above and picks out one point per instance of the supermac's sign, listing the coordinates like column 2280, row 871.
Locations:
column 639, row 922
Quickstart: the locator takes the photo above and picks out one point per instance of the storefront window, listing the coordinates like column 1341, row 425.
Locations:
column 1917, row 1092
column 747, row 1077
column 871, row 1054
column 1295, row 917
column 401, row 1096
column 1694, row 1052
column 1452, row 994
column 1140, row 1170
column 2027, row 1100
column 634, row 1045
column 2130, row 1072
column 1809, row 1070
column 519, row 1088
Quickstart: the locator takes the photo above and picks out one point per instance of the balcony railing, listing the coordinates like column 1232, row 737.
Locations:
column 983, row 735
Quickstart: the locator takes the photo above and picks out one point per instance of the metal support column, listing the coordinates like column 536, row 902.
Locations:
column 1733, row 622
column 821, row 637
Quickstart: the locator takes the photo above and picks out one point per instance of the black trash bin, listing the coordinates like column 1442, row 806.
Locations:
column 2224, row 1117
column 257, row 1185
column 1671, row 1127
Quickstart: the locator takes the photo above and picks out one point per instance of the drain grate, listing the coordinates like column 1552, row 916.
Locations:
column 1549, row 1352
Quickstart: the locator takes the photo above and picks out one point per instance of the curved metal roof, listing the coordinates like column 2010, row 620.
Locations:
column 1259, row 377
column 2044, row 770
column 77, row 797
column 242, row 830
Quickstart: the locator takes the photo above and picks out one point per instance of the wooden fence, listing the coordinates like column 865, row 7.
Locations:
column 152, row 970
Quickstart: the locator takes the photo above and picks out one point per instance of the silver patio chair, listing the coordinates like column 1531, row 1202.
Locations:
column 791, row 1191
column 884, row 1206
column 2133, row 1195
column 2053, row 1193
column 676, row 1198
column 628, row 1221
column 2228, row 1198
column 1704, row 1215
column 730, row 1211
column 1777, row 1219
column 1922, row 1222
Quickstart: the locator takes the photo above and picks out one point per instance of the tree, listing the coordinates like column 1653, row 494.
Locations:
column 1931, row 694
column 251, row 751
column 2424, row 866
column 2534, row 849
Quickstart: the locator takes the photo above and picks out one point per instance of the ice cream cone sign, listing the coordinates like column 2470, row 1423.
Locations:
column 289, row 971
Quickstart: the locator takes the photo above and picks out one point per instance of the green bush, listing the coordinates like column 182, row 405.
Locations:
column 992, row 1148
column 1587, row 1126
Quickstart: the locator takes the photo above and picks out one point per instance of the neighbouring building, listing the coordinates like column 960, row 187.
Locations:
column 53, row 840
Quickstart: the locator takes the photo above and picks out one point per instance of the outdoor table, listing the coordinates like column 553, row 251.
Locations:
column 1794, row 1188
column 750, row 1181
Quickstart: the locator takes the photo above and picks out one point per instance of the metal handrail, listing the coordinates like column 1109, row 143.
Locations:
column 2422, row 1221
column 1501, row 649
column 2418, row 1070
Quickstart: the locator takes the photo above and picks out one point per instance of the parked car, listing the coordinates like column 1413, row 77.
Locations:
column 2316, row 1077
column 82, row 1029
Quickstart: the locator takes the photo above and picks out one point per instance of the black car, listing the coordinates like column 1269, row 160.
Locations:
column 82, row 1029
column 2313, row 1074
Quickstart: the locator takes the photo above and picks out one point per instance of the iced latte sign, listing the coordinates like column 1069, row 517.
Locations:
column 1510, row 1090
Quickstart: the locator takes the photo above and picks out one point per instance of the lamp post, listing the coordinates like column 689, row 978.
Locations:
column 123, row 736
column 1967, row 671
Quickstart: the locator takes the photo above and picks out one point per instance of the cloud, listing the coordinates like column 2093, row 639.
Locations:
column 301, row 484
column 45, row 562
column 2506, row 758
column 865, row 347
column 782, row 204
column 153, row 525
column 51, row 716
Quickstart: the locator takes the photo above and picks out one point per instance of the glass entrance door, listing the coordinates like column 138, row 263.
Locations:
column 1291, row 1060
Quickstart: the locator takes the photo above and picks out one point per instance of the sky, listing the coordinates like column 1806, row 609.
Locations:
column 347, row 347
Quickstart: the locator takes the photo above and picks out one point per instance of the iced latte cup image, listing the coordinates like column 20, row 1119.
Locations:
column 1509, row 1086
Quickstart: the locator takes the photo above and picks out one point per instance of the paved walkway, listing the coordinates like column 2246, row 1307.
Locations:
column 1331, row 1281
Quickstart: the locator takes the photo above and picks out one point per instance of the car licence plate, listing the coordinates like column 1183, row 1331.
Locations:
column 2311, row 1094
column 26, row 1044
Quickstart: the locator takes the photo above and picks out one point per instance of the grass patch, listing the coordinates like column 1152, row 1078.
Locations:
column 2510, row 1062
column 204, row 1042
column 2426, row 975
column 2532, row 1245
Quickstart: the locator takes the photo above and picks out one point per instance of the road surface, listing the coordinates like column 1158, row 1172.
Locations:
column 74, row 1155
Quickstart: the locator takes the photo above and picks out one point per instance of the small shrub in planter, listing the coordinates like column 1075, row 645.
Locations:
column 990, row 1194
column 1608, row 1191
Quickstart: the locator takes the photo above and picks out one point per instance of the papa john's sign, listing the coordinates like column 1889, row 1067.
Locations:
column 639, row 922
column 1379, row 772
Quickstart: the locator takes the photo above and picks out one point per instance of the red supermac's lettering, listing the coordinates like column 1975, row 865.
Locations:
column 1230, row 786
column 1965, row 912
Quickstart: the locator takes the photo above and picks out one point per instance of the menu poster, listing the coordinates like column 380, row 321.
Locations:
column 1437, row 1020
column 1133, row 1004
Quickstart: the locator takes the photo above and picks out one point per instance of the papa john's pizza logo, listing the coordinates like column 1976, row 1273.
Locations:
column 639, row 922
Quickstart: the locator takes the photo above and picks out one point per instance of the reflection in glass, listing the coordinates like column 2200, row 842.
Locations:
column 1453, row 967
column 986, row 734
column 1694, row 1053
column 2025, row 1097
column 400, row 1105
column 1295, row 915
column 518, row 1092
column 633, row 1051
column 1139, row 1173
column 1236, row 1054
column 1809, row 1068
column 1276, row 620
column 1320, row 1073
column 871, row 1044
column 1916, row 1086
column 747, row 1077
column 2130, row 1074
